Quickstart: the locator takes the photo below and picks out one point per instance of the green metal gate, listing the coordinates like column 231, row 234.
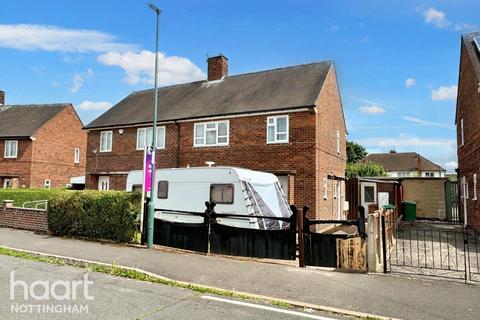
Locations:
column 451, row 201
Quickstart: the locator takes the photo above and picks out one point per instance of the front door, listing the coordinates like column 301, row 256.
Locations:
column 103, row 183
column 368, row 194
column 7, row 183
column 338, row 186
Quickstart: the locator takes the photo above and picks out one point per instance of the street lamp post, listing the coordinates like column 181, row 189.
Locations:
column 151, row 203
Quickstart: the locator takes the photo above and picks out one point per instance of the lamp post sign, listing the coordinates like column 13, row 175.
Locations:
column 148, row 171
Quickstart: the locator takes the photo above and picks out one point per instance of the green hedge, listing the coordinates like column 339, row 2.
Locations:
column 20, row 196
column 109, row 215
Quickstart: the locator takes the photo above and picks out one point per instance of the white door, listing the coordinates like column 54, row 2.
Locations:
column 368, row 194
column 103, row 183
column 284, row 183
column 7, row 183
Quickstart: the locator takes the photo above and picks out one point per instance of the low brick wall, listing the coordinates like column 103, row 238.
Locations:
column 21, row 218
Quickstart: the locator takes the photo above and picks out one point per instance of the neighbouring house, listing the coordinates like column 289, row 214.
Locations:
column 42, row 145
column 286, row 121
column 406, row 164
column 468, row 129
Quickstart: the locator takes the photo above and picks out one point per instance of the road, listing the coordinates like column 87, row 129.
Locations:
column 101, row 296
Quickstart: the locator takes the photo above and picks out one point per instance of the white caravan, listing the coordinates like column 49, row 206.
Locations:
column 235, row 191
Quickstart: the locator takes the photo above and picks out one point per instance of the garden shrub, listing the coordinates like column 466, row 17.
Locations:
column 93, row 214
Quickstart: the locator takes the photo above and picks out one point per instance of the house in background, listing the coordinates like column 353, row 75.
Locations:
column 41, row 146
column 406, row 164
column 468, row 129
column 286, row 121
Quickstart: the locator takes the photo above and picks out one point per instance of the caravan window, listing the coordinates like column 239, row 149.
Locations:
column 221, row 193
column 162, row 190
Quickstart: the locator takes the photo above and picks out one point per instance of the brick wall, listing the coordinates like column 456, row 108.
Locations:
column 25, row 219
column 53, row 150
column 468, row 108
column 329, row 119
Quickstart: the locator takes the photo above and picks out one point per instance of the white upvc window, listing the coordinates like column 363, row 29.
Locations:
column 277, row 129
column 76, row 155
column 338, row 141
column 462, row 134
column 334, row 184
column 211, row 134
column 11, row 149
column 474, row 187
column 106, row 141
column 144, row 138
column 325, row 188
column 47, row 184
column 464, row 194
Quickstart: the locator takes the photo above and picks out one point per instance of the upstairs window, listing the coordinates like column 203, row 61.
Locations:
column 211, row 134
column 144, row 138
column 325, row 188
column 11, row 148
column 277, row 129
column 76, row 155
column 106, row 141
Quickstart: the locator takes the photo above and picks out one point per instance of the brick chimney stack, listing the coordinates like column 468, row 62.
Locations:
column 217, row 67
column 2, row 98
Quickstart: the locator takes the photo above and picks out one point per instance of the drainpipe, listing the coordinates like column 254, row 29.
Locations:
column 178, row 144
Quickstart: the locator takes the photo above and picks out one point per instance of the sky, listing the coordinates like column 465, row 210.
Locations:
column 396, row 61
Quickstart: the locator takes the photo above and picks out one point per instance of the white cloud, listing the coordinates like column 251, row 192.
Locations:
column 426, row 123
column 410, row 82
column 465, row 27
column 445, row 93
column 451, row 165
column 79, row 79
column 436, row 18
column 408, row 142
column 364, row 39
column 95, row 106
column 139, row 67
column 372, row 109
column 52, row 38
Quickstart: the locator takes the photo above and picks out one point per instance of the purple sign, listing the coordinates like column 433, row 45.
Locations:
column 148, row 171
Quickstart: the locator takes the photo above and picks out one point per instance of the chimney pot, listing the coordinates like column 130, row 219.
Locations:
column 217, row 67
column 2, row 98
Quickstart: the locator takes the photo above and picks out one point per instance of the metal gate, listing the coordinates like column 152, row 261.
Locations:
column 436, row 249
column 451, row 201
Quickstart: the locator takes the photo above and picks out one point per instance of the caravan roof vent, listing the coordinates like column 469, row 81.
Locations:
column 210, row 163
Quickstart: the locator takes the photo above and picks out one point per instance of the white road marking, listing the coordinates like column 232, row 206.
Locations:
column 259, row 306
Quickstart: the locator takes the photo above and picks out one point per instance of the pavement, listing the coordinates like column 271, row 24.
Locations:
column 112, row 298
column 377, row 294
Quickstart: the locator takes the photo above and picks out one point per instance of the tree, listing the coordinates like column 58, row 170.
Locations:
column 355, row 152
column 364, row 169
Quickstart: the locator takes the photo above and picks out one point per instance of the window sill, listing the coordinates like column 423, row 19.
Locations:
column 10, row 157
column 278, row 142
column 211, row 145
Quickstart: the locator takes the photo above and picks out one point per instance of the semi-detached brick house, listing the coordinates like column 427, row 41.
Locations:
column 286, row 121
column 468, row 128
column 41, row 146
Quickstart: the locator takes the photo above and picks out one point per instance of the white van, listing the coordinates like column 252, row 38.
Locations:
column 235, row 191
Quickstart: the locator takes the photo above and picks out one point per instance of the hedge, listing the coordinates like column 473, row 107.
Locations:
column 20, row 196
column 111, row 215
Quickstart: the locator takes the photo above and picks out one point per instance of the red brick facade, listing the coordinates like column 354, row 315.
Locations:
column 468, row 109
column 48, row 154
column 309, row 156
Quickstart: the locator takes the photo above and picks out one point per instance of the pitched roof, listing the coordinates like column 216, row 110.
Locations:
column 24, row 120
column 406, row 161
column 472, row 50
column 285, row 88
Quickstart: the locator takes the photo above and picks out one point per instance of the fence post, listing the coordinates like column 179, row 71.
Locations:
column 209, row 218
column 305, row 234
column 384, row 243
column 301, row 240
